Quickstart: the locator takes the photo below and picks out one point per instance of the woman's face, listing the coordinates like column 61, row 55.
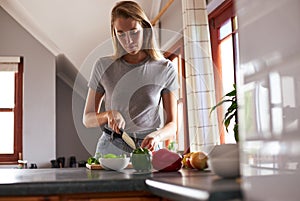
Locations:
column 130, row 34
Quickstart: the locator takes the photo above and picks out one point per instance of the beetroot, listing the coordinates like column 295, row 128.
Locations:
column 166, row 161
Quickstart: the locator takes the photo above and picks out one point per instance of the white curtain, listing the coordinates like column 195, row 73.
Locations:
column 203, row 127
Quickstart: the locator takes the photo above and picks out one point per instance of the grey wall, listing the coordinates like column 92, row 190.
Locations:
column 38, row 92
column 69, row 109
column 50, row 109
column 68, row 142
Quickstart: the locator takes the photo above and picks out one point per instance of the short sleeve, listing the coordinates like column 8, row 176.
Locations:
column 95, row 78
column 171, row 78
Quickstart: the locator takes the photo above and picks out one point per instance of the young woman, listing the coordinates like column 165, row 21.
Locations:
column 132, row 83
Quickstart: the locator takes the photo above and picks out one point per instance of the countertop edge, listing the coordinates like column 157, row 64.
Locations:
column 179, row 193
column 172, row 191
column 61, row 188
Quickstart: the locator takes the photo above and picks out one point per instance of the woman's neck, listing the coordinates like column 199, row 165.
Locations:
column 135, row 58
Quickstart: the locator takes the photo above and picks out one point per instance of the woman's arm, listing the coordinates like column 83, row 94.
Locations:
column 92, row 116
column 170, row 127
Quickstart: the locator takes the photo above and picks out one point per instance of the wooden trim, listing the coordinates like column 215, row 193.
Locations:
column 163, row 10
column 19, row 111
column 216, row 19
column 6, row 109
column 18, row 119
column 177, row 50
column 222, row 10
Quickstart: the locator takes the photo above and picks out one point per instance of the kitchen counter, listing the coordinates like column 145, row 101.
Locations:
column 194, row 185
column 184, row 184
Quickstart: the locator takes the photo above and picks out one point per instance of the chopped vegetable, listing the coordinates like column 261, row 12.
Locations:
column 95, row 160
column 110, row 156
column 141, row 150
column 141, row 160
column 92, row 160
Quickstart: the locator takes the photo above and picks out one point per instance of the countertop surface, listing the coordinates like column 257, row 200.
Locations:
column 184, row 184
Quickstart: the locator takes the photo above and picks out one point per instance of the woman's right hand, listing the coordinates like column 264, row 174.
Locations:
column 115, row 121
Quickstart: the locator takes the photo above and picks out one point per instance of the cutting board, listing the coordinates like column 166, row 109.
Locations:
column 99, row 167
column 94, row 166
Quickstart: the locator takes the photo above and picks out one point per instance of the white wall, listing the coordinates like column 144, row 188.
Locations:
column 171, row 24
column 39, row 90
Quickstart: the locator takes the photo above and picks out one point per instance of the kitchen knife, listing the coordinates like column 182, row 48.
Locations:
column 127, row 139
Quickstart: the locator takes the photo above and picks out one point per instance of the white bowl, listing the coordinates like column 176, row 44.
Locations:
column 114, row 163
column 226, row 167
column 225, row 151
column 224, row 160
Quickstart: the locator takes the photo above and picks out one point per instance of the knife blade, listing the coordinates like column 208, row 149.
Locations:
column 127, row 139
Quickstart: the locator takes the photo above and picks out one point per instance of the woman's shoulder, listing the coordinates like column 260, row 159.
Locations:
column 105, row 62
column 106, row 59
column 164, row 62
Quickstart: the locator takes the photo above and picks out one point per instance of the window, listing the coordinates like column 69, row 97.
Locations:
column 11, row 86
column 223, row 32
column 176, row 55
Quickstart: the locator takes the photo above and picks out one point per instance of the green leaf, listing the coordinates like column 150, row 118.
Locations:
column 231, row 110
column 220, row 103
column 232, row 93
column 141, row 150
column 228, row 120
column 236, row 132
column 92, row 160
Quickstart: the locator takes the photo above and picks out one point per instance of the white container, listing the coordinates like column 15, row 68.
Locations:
column 116, row 164
column 224, row 160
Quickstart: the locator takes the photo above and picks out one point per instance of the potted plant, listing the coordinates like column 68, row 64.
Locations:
column 232, row 111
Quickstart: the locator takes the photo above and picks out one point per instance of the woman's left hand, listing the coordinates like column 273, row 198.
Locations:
column 151, row 141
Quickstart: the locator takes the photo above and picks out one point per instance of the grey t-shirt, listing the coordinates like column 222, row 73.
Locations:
column 134, row 90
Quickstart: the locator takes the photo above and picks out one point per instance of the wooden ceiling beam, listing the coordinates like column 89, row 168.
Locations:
column 163, row 10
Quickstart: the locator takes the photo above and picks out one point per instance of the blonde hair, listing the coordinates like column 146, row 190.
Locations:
column 131, row 9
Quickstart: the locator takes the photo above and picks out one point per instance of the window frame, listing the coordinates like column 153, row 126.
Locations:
column 18, row 119
column 177, row 50
column 216, row 19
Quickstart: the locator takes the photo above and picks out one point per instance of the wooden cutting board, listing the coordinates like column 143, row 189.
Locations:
column 94, row 166
column 99, row 167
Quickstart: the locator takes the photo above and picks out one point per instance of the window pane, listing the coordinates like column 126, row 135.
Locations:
column 225, row 29
column 7, row 89
column 6, row 132
column 227, row 62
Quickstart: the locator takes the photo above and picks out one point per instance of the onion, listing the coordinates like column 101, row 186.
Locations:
column 198, row 160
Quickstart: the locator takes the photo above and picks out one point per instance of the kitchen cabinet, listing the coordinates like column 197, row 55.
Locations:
column 127, row 196
column 118, row 199
column 31, row 198
column 117, row 196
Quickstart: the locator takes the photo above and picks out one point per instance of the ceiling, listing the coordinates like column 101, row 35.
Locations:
column 70, row 27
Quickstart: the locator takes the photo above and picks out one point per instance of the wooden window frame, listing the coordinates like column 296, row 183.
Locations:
column 177, row 50
column 216, row 19
column 18, row 119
